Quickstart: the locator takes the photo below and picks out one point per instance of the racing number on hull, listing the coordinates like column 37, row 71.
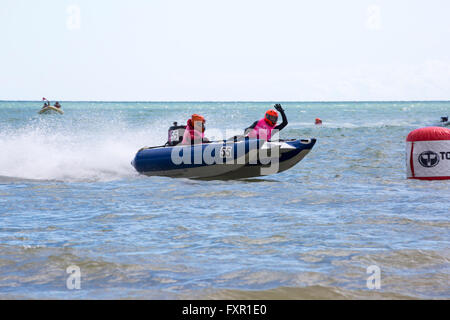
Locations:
column 226, row 152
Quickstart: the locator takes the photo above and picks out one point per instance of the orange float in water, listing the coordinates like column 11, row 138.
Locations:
column 318, row 121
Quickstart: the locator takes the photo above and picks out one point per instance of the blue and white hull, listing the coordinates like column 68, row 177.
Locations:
column 222, row 159
column 289, row 153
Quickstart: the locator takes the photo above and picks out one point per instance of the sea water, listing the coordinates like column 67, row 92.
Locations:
column 343, row 223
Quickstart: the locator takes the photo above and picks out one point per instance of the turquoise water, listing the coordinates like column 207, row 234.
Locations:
column 69, row 196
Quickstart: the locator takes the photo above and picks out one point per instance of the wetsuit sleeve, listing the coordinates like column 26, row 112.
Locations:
column 251, row 127
column 284, row 123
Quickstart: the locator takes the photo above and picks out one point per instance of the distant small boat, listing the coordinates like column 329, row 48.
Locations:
column 50, row 109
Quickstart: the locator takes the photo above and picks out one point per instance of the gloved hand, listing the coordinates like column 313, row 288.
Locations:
column 278, row 107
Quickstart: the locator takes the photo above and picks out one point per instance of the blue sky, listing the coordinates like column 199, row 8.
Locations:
column 225, row 50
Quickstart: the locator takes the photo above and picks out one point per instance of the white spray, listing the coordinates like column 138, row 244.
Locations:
column 98, row 152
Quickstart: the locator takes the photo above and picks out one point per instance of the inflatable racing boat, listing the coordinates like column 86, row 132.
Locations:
column 237, row 158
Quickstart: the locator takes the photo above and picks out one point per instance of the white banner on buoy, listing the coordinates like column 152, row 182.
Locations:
column 428, row 159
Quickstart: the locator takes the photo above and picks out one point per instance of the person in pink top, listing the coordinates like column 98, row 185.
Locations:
column 195, row 130
column 262, row 129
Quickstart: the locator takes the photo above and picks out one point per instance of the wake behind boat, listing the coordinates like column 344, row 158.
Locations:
column 236, row 159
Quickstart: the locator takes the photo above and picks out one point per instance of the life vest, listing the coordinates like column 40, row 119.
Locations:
column 262, row 130
column 190, row 134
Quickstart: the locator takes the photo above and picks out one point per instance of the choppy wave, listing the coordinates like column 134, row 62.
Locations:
column 353, row 125
column 316, row 292
column 159, row 277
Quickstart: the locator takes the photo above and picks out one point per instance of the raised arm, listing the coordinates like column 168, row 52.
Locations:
column 283, row 115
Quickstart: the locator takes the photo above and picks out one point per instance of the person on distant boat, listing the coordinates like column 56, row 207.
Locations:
column 46, row 103
column 57, row 105
column 195, row 131
column 262, row 129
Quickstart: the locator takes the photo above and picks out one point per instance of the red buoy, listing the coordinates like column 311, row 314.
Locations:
column 318, row 121
column 428, row 153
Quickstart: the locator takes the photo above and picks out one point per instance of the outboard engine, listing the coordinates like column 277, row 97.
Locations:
column 175, row 134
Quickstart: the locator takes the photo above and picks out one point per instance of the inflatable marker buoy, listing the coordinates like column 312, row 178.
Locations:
column 428, row 153
column 318, row 121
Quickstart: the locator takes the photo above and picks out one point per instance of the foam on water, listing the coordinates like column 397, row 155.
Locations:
column 102, row 151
